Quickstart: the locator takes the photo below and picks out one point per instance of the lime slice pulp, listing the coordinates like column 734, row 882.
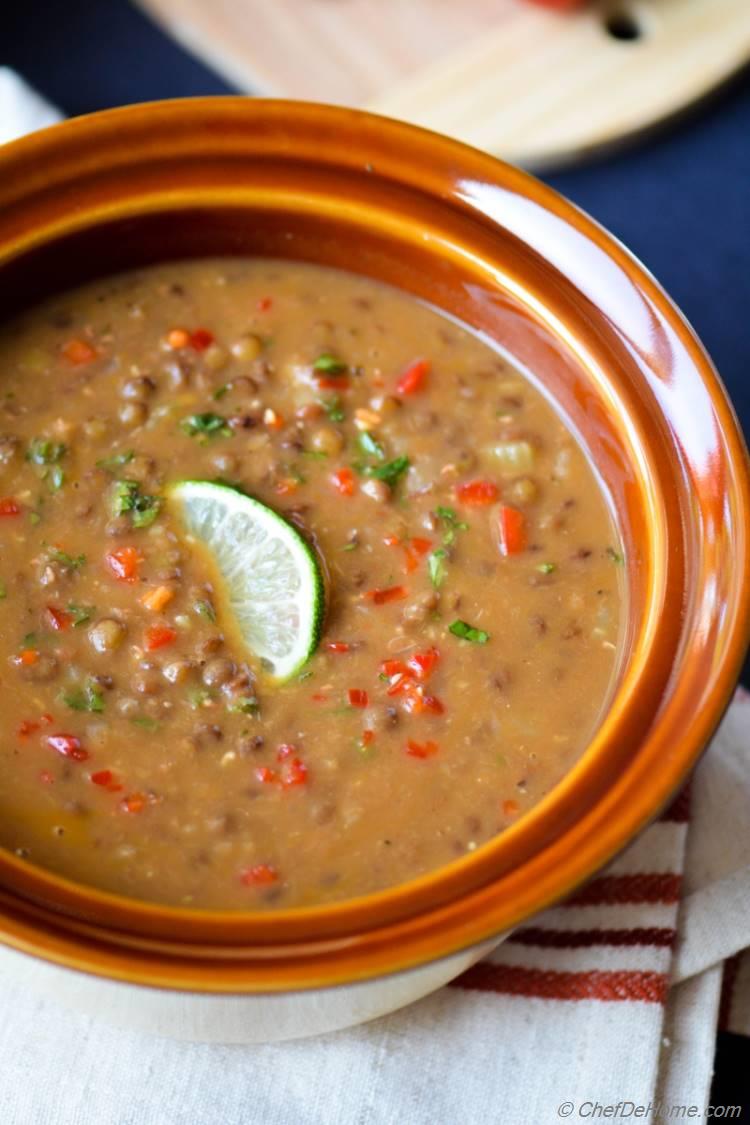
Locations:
column 271, row 577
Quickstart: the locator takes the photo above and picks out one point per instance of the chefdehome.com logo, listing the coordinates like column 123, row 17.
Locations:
column 652, row 1111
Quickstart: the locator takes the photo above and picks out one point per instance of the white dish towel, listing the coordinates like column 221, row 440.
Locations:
column 612, row 999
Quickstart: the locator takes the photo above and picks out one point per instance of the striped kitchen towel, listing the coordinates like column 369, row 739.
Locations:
column 606, row 1006
column 611, row 999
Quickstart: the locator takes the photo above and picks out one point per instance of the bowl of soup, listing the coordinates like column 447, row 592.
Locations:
column 374, row 548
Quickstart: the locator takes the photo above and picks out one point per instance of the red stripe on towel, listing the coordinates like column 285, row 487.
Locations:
column 543, row 984
column 579, row 939
column 610, row 890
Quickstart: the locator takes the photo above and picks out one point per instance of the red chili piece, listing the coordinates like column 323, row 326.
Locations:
column 69, row 746
column 511, row 531
column 201, row 339
column 392, row 594
column 338, row 646
column 413, row 378
column 421, row 749
column 358, row 698
column 343, row 479
column 124, row 563
column 476, row 492
column 158, row 636
column 260, row 875
column 57, row 619
column 9, row 507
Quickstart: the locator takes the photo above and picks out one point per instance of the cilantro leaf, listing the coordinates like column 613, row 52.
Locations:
column 87, row 698
column 116, row 460
column 205, row 425
column 327, row 364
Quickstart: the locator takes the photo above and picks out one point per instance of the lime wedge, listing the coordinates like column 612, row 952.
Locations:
column 271, row 576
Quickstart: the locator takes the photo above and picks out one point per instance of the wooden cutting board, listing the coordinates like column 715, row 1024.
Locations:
column 533, row 86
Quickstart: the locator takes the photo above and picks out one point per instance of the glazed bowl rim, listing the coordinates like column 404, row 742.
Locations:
column 111, row 125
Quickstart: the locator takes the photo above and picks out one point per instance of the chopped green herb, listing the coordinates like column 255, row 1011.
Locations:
column 127, row 498
column 55, row 478
column 371, row 447
column 327, row 364
column 221, row 391
column 3, row 590
column 31, row 640
column 73, row 562
column 315, row 454
column 547, row 568
column 87, row 698
column 205, row 425
column 116, row 460
column 392, row 471
column 333, row 409
column 468, row 633
column 81, row 614
column 145, row 723
column 34, row 518
column 305, row 675
column 452, row 524
column 41, row 451
column 436, row 567
column 205, row 609
column 615, row 556
column 351, row 546
column 249, row 706
column 198, row 697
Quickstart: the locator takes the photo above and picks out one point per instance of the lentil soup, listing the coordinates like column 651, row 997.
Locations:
column 474, row 588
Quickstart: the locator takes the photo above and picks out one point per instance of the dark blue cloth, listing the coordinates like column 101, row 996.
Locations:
column 680, row 201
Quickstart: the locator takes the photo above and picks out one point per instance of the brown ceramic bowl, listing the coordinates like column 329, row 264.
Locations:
column 505, row 255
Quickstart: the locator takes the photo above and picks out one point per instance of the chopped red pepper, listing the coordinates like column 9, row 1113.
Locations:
column 333, row 382
column 415, row 550
column 46, row 777
column 511, row 808
column 413, row 378
column 421, row 749
column 201, row 339
column 9, row 507
column 157, row 636
column 124, row 563
column 343, row 479
column 338, row 646
column 422, row 664
column 57, row 619
column 264, row 304
column 511, row 531
column 391, row 594
column 368, row 737
column 477, row 492
column 266, row 775
column 399, row 683
column 415, row 700
column 78, row 351
column 391, row 540
column 133, row 803
column 27, row 657
column 392, row 668
column 68, row 745
column 319, row 697
column 105, row 779
column 293, row 772
column 27, row 727
column 260, row 875
column 358, row 698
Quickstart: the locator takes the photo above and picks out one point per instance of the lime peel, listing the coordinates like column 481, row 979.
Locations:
column 271, row 576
